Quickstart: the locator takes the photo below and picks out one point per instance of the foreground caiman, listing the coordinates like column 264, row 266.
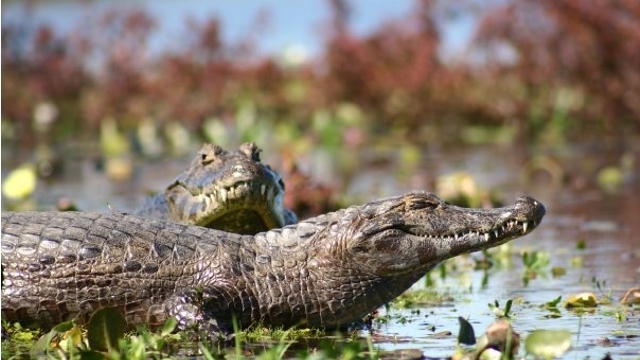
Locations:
column 327, row 271
column 226, row 190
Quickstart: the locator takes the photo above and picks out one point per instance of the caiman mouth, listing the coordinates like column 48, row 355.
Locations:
column 415, row 232
column 511, row 227
column 240, row 208
column 475, row 229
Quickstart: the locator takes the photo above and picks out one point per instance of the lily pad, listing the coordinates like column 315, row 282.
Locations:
column 582, row 300
column 548, row 344
column 20, row 183
column 104, row 329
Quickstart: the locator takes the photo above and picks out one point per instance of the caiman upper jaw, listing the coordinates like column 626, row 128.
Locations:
column 436, row 218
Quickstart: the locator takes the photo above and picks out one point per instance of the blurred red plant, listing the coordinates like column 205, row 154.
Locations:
column 592, row 48
column 394, row 74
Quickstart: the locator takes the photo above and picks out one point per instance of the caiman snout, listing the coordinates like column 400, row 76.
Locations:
column 529, row 209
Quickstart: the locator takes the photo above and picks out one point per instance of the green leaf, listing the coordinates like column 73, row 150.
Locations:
column 548, row 343
column 507, row 307
column 553, row 303
column 466, row 335
column 63, row 327
column 169, row 326
column 104, row 329
column 43, row 344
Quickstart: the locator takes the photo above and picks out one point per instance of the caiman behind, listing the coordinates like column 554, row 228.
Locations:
column 232, row 191
column 326, row 272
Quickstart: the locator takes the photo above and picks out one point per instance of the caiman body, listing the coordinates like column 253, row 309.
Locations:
column 226, row 190
column 327, row 271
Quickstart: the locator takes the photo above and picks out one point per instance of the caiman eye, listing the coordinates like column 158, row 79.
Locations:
column 416, row 204
column 422, row 200
column 209, row 152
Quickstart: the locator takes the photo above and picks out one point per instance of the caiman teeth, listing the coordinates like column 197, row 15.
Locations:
column 495, row 233
column 223, row 195
column 263, row 189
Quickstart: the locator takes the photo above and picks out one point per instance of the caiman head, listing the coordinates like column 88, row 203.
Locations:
column 228, row 190
column 413, row 233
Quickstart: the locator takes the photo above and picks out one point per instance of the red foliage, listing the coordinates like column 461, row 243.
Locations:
column 591, row 47
column 394, row 74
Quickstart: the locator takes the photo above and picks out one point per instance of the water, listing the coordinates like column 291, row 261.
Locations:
column 577, row 210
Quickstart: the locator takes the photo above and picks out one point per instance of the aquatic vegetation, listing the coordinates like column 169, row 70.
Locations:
column 535, row 264
column 499, row 341
column 422, row 298
column 20, row 183
column 548, row 344
column 582, row 301
column 600, row 286
column 631, row 297
column 552, row 307
column 460, row 188
column 501, row 313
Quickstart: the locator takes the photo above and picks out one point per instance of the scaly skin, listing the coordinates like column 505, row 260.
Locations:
column 326, row 272
column 226, row 190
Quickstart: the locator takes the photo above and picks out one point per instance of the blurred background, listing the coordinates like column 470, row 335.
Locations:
column 335, row 90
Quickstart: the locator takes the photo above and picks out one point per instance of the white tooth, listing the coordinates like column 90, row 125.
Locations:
column 200, row 197
column 455, row 236
column 495, row 232
column 223, row 195
column 524, row 227
column 486, row 236
column 263, row 189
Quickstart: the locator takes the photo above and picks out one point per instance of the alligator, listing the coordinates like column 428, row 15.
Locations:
column 324, row 272
column 226, row 190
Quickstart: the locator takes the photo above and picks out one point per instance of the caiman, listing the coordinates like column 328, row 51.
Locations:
column 324, row 272
column 226, row 190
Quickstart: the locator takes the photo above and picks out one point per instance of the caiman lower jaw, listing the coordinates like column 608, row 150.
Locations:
column 261, row 199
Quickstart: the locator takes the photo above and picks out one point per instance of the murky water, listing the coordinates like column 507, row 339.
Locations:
column 564, row 179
